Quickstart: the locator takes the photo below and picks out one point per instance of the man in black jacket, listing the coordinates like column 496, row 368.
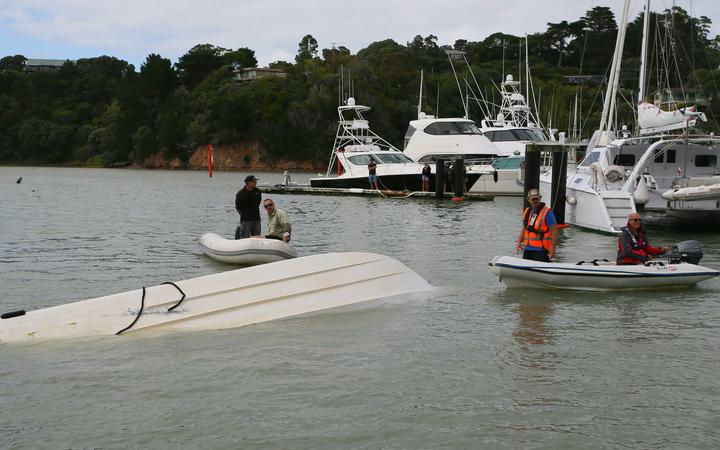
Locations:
column 247, row 204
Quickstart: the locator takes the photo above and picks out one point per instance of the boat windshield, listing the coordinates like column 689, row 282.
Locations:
column 362, row 160
column 507, row 163
column 590, row 158
column 516, row 134
column 393, row 158
column 452, row 128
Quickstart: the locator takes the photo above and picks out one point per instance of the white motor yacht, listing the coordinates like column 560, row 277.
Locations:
column 356, row 146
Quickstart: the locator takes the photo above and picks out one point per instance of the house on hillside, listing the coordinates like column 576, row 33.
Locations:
column 254, row 73
column 44, row 65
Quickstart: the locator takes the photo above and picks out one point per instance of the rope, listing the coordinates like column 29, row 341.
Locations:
column 181, row 298
column 137, row 316
column 142, row 306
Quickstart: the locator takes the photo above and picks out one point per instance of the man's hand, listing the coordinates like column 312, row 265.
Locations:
column 518, row 247
column 551, row 253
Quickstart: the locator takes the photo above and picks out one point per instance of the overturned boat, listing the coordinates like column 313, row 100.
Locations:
column 678, row 269
column 225, row 300
column 249, row 251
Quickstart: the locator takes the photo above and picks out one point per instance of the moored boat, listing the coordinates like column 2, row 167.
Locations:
column 249, row 252
column 224, row 300
column 598, row 275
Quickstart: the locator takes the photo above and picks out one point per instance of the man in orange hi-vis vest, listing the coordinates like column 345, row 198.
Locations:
column 539, row 231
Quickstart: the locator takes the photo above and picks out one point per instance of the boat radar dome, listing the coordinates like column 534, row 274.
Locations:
column 501, row 117
column 351, row 101
column 509, row 77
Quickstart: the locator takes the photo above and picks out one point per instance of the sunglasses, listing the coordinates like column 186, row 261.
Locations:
column 269, row 205
column 635, row 220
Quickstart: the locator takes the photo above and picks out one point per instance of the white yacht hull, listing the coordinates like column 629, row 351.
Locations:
column 249, row 252
column 517, row 272
column 225, row 300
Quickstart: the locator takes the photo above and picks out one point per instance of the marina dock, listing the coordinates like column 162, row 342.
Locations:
column 308, row 190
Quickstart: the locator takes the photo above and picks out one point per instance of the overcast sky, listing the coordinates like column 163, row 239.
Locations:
column 132, row 29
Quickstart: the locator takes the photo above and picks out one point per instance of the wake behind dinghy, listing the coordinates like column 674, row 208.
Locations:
column 249, row 251
column 224, row 300
column 677, row 269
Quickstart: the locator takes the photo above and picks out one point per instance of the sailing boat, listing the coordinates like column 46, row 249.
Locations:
column 619, row 175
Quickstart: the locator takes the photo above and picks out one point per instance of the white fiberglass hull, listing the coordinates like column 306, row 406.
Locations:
column 225, row 300
column 517, row 272
column 249, row 252
column 508, row 183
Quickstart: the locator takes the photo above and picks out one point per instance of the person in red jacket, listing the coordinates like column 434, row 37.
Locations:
column 633, row 246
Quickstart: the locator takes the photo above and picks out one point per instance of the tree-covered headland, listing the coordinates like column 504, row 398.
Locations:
column 103, row 111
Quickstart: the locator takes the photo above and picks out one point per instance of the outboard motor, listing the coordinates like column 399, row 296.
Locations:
column 686, row 251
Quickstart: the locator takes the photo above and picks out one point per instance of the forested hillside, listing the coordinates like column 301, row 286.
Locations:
column 103, row 110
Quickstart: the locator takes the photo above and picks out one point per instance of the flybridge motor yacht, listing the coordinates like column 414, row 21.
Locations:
column 515, row 126
column 356, row 146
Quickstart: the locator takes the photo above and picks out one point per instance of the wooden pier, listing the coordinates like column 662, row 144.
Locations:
column 308, row 190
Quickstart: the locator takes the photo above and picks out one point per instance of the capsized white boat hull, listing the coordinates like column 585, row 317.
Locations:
column 225, row 300
column 249, row 252
column 517, row 272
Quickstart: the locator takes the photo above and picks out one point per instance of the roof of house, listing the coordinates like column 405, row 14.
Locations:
column 46, row 62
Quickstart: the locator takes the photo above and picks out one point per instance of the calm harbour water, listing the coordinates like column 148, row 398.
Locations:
column 472, row 365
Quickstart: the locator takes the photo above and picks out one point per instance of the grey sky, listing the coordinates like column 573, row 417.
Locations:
column 132, row 29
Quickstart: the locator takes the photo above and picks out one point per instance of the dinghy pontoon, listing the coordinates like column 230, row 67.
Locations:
column 598, row 275
column 249, row 252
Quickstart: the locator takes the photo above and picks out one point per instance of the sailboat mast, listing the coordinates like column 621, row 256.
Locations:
column 643, row 52
column 614, row 81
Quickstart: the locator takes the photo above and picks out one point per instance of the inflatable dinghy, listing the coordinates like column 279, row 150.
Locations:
column 249, row 251
column 224, row 300
column 598, row 275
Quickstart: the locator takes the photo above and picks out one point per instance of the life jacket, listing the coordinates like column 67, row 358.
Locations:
column 639, row 244
column 537, row 232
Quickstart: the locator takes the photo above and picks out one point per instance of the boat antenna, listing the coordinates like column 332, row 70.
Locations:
column 437, row 102
column 342, row 85
column 419, row 107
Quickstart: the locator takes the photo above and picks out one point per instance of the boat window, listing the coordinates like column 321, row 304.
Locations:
column 659, row 156
column 361, row 160
column 624, row 160
column 452, row 128
column 590, row 158
column 393, row 158
column 523, row 134
column 507, row 163
column 451, row 157
column 671, row 156
column 705, row 160
column 408, row 134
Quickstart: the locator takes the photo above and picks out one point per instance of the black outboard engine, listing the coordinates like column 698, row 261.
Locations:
column 686, row 251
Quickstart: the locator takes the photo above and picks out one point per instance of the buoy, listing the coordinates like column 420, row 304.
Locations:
column 19, row 180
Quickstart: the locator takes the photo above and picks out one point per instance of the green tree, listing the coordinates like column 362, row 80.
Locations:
column 199, row 62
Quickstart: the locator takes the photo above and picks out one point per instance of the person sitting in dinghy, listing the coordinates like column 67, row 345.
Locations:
column 633, row 246
column 539, row 231
column 279, row 226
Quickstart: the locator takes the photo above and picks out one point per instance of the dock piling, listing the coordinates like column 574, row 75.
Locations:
column 440, row 179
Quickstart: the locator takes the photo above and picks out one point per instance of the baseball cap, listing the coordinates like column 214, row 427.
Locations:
column 250, row 178
column 533, row 193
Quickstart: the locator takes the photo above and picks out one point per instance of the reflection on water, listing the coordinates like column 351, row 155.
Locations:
column 474, row 363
